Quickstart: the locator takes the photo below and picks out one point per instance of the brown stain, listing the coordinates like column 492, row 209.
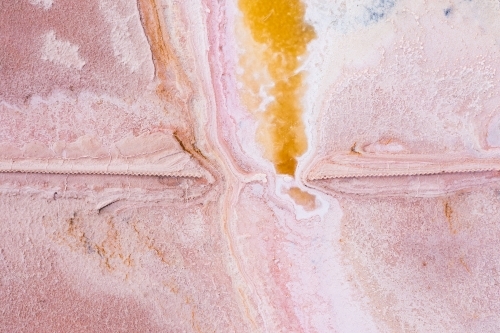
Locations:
column 174, row 88
column 448, row 212
column 110, row 248
column 386, row 141
column 194, row 323
column 172, row 286
column 167, row 66
column 73, row 229
column 354, row 149
column 110, row 252
column 187, row 144
column 464, row 264
column 302, row 198
column 150, row 244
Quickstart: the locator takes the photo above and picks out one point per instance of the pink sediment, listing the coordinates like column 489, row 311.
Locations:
column 24, row 74
column 139, row 200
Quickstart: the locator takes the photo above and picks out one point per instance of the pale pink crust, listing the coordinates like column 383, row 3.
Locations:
column 422, row 102
column 38, row 296
column 24, row 74
column 74, row 141
column 426, row 264
column 427, row 81
column 263, row 257
column 389, row 101
column 167, row 268
column 63, row 118
column 134, row 197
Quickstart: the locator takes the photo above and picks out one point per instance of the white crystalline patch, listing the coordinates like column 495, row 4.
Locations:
column 61, row 52
column 385, row 147
column 123, row 45
column 192, row 230
column 45, row 4
column 493, row 137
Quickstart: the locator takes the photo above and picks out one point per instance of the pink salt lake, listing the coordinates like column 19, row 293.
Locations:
column 136, row 196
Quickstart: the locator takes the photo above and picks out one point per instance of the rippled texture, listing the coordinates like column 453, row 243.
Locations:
column 249, row 166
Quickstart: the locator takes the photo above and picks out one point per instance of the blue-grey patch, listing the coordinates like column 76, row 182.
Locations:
column 378, row 10
column 350, row 15
column 447, row 11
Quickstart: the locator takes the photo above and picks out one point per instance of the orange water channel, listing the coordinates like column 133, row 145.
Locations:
column 280, row 26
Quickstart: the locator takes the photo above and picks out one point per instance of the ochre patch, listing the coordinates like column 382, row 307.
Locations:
column 306, row 200
column 279, row 24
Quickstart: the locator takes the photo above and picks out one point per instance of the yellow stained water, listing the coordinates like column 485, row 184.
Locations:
column 306, row 200
column 279, row 24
